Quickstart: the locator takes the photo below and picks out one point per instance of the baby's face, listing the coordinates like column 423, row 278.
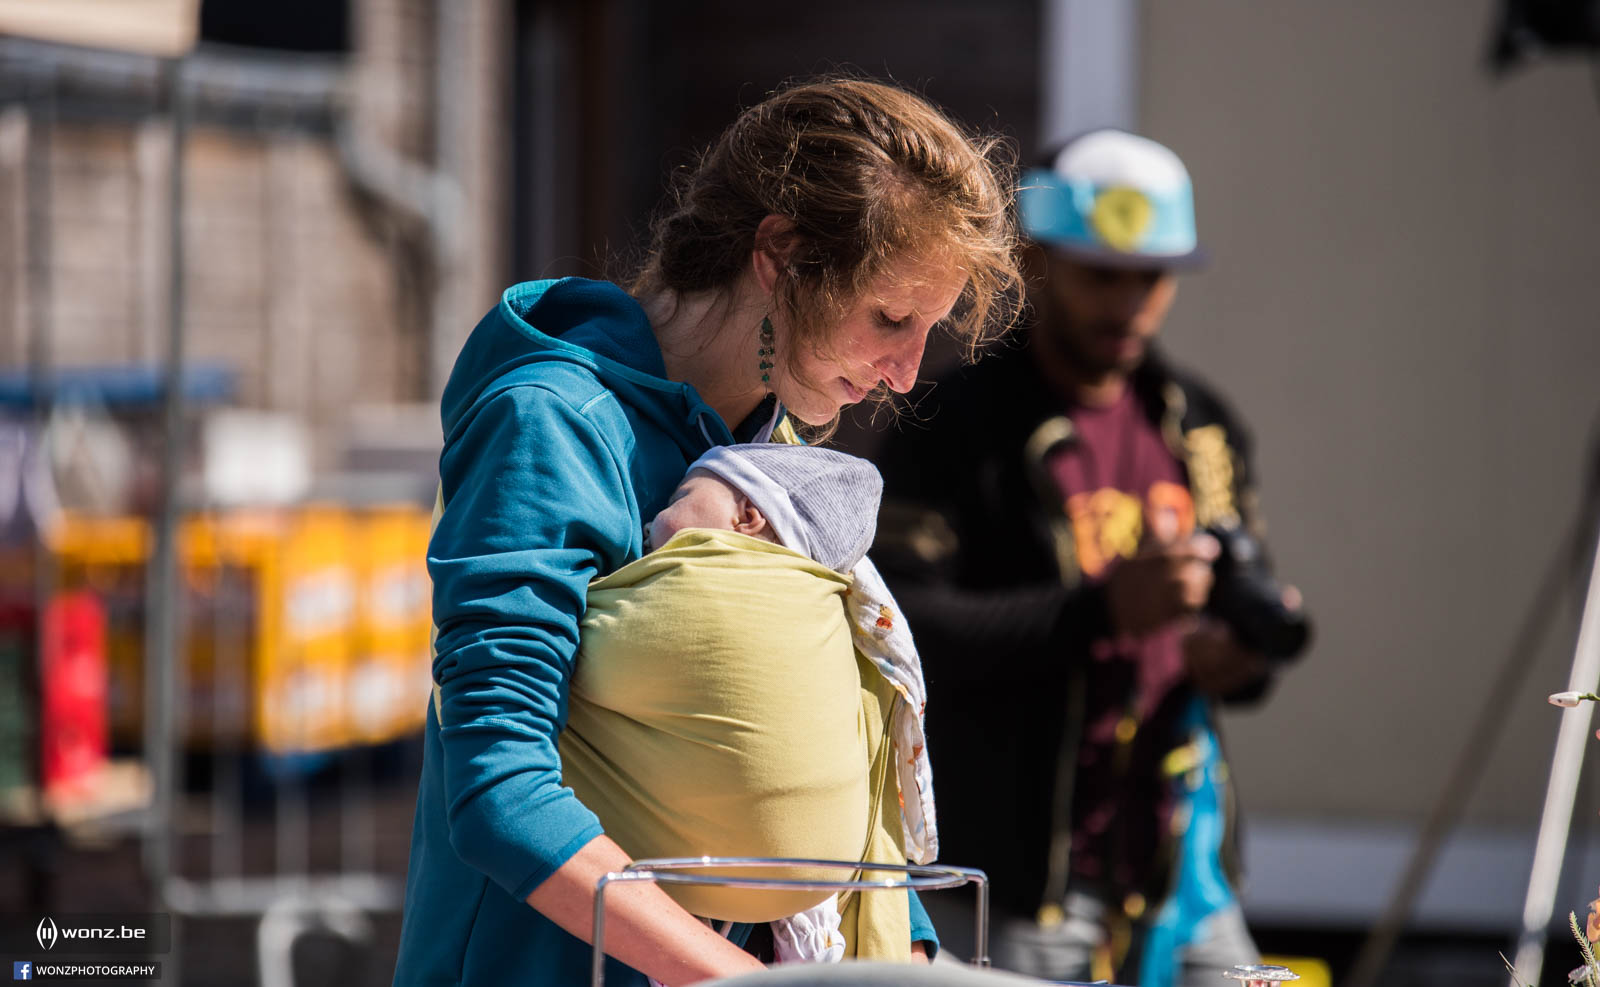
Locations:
column 703, row 500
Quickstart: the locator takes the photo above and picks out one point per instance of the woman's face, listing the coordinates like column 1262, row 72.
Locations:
column 880, row 339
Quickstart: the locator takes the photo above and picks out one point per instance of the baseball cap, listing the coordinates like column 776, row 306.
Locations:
column 1114, row 198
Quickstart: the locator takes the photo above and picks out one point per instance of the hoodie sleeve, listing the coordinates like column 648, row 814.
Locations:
column 536, row 502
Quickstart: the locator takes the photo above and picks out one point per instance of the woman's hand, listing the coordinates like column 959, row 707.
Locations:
column 919, row 954
column 645, row 928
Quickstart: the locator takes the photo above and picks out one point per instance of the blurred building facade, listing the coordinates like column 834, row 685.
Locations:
column 1402, row 300
column 342, row 209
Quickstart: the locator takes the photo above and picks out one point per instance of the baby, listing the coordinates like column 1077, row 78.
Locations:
column 687, row 651
column 818, row 502
column 821, row 504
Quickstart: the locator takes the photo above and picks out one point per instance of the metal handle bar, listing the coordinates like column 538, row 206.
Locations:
column 669, row 870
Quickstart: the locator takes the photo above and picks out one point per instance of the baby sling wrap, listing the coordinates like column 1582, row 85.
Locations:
column 718, row 707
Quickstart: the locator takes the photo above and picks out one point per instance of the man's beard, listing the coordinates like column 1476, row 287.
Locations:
column 1075, row 346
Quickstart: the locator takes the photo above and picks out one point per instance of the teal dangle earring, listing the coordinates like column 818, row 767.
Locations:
column 767, row 350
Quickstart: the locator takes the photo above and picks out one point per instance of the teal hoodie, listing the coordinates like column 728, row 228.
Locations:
column 559, row 442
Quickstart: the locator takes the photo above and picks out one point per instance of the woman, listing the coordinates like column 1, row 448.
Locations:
column 801, row 265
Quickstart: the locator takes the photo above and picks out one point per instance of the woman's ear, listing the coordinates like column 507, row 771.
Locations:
column 773, row 247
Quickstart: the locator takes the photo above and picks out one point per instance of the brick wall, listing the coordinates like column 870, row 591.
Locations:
column 315, row 293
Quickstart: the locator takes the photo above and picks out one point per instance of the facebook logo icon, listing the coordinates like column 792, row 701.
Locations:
column 21, row 970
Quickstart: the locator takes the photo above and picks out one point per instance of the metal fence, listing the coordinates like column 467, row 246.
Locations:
column 263, row 667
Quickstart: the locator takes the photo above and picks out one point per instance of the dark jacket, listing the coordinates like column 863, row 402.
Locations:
column 980, row 555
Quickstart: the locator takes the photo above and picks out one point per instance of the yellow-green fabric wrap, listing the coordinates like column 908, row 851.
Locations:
column 877, row 924
column 719, row 708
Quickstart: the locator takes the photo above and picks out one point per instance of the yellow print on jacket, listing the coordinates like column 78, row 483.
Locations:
column 1211, row 474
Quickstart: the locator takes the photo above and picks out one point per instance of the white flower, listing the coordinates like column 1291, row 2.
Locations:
column 1568, row 699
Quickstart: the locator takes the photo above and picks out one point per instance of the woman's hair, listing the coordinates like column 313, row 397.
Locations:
column 868, row 174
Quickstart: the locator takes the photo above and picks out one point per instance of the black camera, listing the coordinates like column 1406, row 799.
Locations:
column 1246, row 597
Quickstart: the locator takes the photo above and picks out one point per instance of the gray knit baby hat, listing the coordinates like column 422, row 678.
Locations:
column 835, row 495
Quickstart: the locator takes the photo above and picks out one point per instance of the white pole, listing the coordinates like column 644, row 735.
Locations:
column 1556, row 822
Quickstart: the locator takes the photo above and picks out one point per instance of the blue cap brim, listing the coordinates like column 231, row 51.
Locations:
column 1122, row 260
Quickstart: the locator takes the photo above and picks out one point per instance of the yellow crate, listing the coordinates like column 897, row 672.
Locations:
column 269, row 609
column 391, row 674
column 308, row 593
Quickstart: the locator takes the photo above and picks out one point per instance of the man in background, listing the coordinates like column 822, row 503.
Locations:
column 1045, row 529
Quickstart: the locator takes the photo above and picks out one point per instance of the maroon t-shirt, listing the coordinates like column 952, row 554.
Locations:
column 1121, row 484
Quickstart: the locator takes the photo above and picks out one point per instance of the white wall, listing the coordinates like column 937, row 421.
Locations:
column 1404, row 305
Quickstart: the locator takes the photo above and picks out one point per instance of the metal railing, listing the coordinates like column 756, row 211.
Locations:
column 922, row 877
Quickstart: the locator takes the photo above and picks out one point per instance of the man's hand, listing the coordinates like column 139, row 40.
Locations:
column 1217, row 663
column 1160, row 584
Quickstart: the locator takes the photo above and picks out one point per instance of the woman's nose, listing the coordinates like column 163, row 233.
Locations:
column 899, row 368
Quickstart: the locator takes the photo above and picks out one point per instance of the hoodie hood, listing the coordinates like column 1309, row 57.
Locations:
column 595, row 325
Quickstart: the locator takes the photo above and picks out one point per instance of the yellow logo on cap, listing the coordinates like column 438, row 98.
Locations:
column 1121, row 215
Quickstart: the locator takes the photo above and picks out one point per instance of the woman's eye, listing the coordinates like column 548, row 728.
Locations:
column 889, row 323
